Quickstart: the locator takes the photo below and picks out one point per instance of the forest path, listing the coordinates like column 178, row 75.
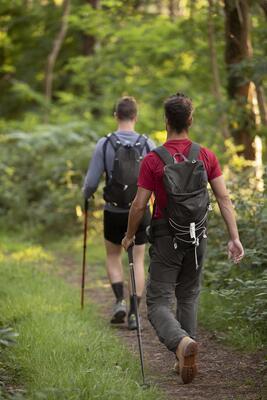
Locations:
column 224, row 374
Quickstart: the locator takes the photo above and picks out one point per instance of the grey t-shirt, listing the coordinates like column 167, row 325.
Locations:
column 96, row 165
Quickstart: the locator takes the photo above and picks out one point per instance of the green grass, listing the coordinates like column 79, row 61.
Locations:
column 215, row 314
column 61, row 352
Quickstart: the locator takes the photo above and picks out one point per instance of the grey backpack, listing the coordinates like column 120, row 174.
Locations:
column 188, row 203
column 121, row 186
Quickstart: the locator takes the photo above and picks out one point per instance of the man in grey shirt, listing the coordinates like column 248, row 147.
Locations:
column 116, row 218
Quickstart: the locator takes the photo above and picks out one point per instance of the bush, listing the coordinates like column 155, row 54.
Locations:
column 41, row 176
column 242, row 288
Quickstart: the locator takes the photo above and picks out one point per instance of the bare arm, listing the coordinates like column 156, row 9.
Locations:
column 136, row 214
column 221, row 193
column 95, row 170
column 235, row 248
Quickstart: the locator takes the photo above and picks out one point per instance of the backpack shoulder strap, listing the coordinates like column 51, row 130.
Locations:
column 141, row 143
column 148, row 150
column 138, row 140
column 193, row 152
column 115, row 143
column 104, row 152
column 164, row 155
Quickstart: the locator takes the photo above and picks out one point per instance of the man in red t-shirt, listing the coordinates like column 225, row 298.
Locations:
column 172, row 268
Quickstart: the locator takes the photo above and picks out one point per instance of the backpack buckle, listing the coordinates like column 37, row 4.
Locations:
column 192, row 230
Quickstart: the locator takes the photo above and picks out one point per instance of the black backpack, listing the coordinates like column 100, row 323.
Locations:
column 121, row 186
column 188, row 202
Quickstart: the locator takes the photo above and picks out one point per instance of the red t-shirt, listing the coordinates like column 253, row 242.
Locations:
column 151, row 171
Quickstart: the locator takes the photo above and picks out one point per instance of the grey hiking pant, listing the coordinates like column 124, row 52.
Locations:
column 174, row 273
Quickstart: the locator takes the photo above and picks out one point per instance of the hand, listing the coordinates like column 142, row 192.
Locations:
column 235, row 250
column 126, row 242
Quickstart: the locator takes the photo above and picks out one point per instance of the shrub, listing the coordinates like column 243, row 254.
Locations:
column 41, row 175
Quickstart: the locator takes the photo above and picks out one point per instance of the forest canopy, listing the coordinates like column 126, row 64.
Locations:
column 64, row 63
column 64, row 60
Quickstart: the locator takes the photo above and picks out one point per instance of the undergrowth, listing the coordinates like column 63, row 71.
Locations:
column 61, row 352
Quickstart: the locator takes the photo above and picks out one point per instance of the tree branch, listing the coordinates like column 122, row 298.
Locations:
column 55, row 50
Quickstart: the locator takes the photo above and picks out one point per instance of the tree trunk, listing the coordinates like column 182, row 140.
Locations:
column 55, row 51
column 261, row 104
column 263, row 4
column 215, row 71
column 89, row 43
column 89, row 40
column 238, row 48
column 137, row 4
column 171, row 9
column 159, row 6
column 192, row 8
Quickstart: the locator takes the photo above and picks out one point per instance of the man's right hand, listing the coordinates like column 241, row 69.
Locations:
column 127, row 242
column 235, row 251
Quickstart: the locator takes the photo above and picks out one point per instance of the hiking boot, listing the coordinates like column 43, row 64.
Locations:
column 132, row 323
column 119, row 312
column 187, row 353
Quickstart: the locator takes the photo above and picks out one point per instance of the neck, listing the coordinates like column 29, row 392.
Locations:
column 177, row 136
column 126, row 125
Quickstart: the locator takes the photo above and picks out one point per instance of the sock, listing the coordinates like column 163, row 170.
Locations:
column 132, row 308
column 118, row 290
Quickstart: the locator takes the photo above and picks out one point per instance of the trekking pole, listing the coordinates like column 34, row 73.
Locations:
column 132, row 277
column 84, row 250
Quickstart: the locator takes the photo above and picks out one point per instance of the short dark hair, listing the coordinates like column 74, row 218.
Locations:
column 178, row 110
column 126, row 108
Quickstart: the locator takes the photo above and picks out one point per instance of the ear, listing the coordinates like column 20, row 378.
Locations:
column 167, row 125
column 190, row 120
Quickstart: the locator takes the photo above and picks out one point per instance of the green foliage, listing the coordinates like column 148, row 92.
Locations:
column 42, row 174
column 62, row 353
column 137, row 52
column 237, row 294
column 135, row 49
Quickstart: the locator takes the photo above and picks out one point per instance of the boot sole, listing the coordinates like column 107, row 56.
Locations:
column 118, row 318
column 132, row 327
column 189, row 368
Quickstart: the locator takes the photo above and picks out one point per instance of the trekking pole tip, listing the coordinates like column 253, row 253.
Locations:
column 145, row 385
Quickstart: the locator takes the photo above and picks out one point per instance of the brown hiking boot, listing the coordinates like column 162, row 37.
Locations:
column 187, row 353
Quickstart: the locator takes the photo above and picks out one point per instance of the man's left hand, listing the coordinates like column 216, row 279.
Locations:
column 235, row 251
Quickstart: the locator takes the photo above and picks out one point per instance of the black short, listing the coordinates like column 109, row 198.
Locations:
column 115, row 227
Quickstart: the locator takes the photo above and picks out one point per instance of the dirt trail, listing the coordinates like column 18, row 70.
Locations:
column 224, row 374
